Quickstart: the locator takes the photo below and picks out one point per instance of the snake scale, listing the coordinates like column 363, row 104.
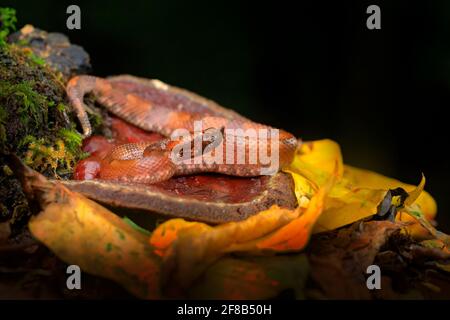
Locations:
column 155, row 106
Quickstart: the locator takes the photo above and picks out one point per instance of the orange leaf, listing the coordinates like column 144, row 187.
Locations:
column 82, row 232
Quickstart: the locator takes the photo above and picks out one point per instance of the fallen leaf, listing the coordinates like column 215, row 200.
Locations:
column 98, row 241
column 293, row 236
column 371, row 180
column 82, row 232
column 181, row 256
column 344, row 206
column 317, row 161
column 252, row 278
column 356, row 194
column 188, row 248
column 303, row 188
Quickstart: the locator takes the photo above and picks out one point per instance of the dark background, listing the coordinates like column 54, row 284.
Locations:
column 310, row 67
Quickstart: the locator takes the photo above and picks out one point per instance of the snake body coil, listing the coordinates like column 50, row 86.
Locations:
column 223, row 144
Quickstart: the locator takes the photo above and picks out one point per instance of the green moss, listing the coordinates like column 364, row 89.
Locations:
column 38, row 60
column 25, row 141
column 96, row 120
column 71, row 138
column 33, row 122
column 61, row 107
column 59, row 156
column 23, row 42
column 55, row 156
column 32, row 105
column 35, row 59
column 7, row 23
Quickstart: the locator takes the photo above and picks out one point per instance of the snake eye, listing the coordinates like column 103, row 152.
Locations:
column 213, row 134
column 212, row 137
column 154, row 148
column 210, row 134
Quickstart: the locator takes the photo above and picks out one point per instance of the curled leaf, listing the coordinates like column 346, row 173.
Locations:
column 294, row 235
column 413, row 195
column 303, row 188
column 317, row 161
column 82, row 232
column 347, row 206
column 188, row 248
column 371, row 180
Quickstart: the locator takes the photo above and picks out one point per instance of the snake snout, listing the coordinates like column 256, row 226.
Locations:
column 290, row 142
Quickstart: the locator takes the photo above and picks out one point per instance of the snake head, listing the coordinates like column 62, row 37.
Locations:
column 159, row 148
column 195, row 144
column 212, row 137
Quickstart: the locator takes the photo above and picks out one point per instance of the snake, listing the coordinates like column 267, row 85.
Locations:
column 214, row 140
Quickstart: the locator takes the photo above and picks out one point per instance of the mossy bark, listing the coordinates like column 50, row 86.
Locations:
column 33, row 124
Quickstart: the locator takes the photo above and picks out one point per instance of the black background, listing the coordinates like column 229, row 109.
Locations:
column 310, row 67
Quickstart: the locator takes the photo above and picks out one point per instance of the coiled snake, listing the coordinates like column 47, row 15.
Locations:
column 224, row 136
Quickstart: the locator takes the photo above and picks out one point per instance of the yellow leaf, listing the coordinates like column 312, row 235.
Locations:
column 329, row 193
column 358, row 195
column 166, row 234
column 81, row 232
column 357, row 192
column 347, row 201
column 317, row 161
column 194, row 246
column 345, row 206
column 371, row 180
column 303, row 188
column 293, row 236
column 426, row 205
column 414, row 194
